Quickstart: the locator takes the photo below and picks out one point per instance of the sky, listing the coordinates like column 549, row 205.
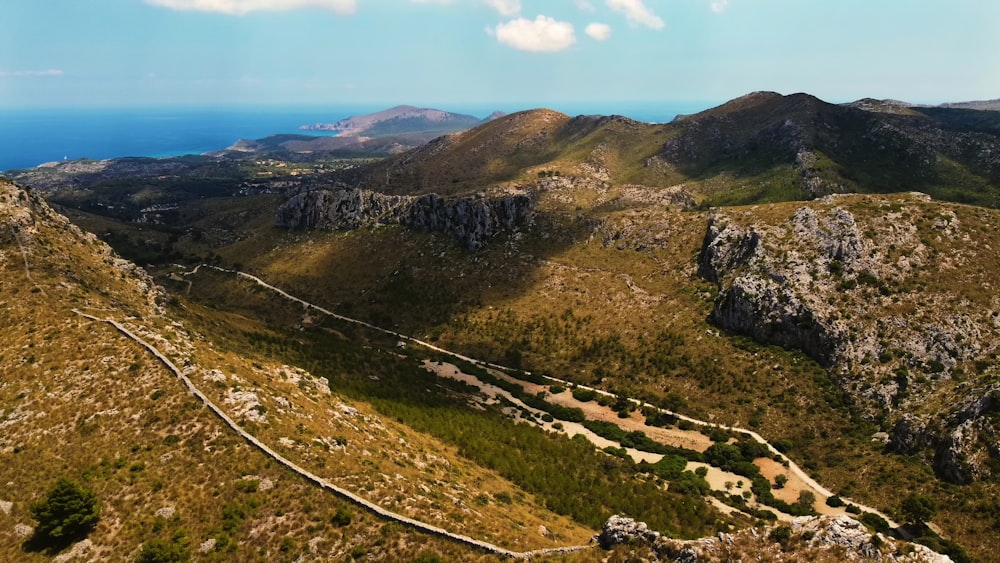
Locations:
column 110, row 53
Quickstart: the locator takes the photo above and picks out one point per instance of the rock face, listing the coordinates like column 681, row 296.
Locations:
column 620, row 529
column 338, row 210
column 472, row 220
column 878, row 290
column 817, row 538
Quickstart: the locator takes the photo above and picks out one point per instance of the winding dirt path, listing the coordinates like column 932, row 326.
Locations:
column 799, row 479
column 24, row 254
column 319, row 481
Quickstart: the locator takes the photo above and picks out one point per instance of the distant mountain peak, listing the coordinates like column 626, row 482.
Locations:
column 401, row 119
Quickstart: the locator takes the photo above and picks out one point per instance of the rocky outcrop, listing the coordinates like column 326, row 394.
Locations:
column 816, row 538
column 862, row 285
column 972, row 438
column 624, row 530
column 335, row 210
column 472, row 220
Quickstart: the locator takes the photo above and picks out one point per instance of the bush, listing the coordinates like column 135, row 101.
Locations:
column 807, row 499
column 343, row 517
column 781, row 534
column 918, row 508
column 68, row 513
column 718, row 434
column 875, row 522
column 834, row 502
column 161, row 551
column 584, row 395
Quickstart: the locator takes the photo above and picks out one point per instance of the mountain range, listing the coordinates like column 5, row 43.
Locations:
column 390, row 131
column 819, row 274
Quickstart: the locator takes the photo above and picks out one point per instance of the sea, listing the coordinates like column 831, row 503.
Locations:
column 29, row 137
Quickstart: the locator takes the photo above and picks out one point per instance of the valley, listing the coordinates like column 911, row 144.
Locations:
column 707, row 305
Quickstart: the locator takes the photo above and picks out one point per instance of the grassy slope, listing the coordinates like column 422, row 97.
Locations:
column 80, row 400
column 566, row 304
column 745, row 151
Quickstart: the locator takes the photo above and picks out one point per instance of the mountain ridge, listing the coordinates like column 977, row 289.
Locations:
column 399, row 119
column 857, row 332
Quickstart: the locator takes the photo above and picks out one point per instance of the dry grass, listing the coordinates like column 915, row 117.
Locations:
column 516, row 294
column 82, row 401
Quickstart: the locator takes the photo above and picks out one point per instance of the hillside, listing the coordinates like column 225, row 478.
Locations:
column 855, row 332
column 983, row 105
column 758, row 148
column 398, row 120
column 214, row 449
column 82, row 400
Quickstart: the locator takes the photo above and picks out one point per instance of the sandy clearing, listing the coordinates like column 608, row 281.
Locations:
column 445, row 369
column 690, row 439
column 795, row 472
column 790, row 492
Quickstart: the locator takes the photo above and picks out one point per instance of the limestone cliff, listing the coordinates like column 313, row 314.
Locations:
column 816, row 538
column 891, row 293
column 472, row 220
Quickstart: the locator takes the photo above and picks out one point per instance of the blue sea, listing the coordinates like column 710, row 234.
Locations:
column 29, row 137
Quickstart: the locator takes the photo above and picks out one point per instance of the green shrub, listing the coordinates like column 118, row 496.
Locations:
column 158, row 550
column 918, row 508
column 835, row 501
column 68, row 513
column 875, row 522
column 343, row 517
column 781, row 534
column 584, row 395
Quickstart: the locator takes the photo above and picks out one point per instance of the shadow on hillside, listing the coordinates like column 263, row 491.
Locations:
column 45, row 544
column 416, row 283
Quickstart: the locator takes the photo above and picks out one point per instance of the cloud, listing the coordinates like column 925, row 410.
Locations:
column 599, row 31
column 30, row 73
column 506, row 7
column 240, row 7
column 585, row 6
column 637, row 12
column 431, row 1
column 543, row 35
column 719, row 6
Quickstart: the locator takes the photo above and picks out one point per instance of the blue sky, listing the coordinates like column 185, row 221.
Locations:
column 323, row 52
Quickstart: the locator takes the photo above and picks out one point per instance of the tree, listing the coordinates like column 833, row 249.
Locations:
column 919, row 509
column 780, row 481
column 807, row 499
column 69, row 512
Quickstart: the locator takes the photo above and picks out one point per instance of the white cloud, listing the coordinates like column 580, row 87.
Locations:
column 543, row 35
column 719, row 6
column 599, row 31
column 30, row 73
column 240, row 7
column 506, row 7
column 431, row 1
column 637, row 12
column 585, row 6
